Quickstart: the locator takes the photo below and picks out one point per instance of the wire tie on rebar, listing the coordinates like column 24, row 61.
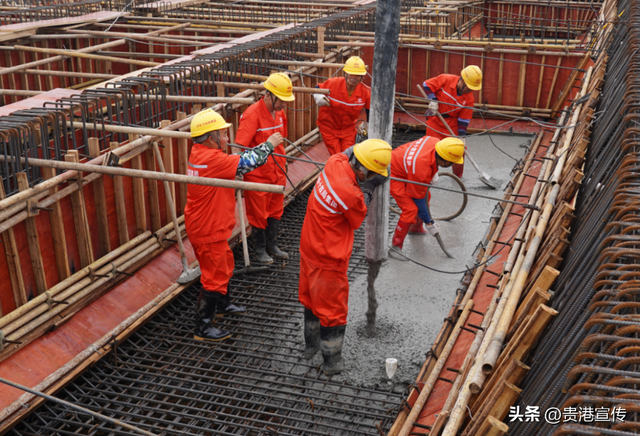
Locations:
column 468, row 329
column 115, row 271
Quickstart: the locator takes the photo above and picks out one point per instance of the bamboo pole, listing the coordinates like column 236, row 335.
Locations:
column 84, row 55
column 149, row 97
column 435, row 373
column 493, row 350
column 151, row 175
column 59, row 58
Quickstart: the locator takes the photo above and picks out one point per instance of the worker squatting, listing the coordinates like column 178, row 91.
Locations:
column 337, row 205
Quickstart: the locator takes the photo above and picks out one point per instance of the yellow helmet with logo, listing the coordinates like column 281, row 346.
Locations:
column 355, row 66
column 280, row 85
column 472, row 76
column 207, row 121
column 451, row 149
column 374, row 155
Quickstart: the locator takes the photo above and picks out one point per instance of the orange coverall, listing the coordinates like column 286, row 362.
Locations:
column 210, row 215
column 444, row 87
column 337, row 123
column 256, row 125
column 335, row 210
column 415, row 161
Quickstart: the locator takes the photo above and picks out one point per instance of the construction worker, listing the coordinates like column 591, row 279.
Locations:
column 418, row 161
column 336, row 208
column 261, row 120
column 451, row 96
column 210, row 215
column 339, row 112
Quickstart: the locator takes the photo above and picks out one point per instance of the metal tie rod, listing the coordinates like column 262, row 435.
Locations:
column 77, row 408
column 525, row 205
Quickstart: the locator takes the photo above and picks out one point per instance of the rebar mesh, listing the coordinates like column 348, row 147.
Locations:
column 256, row 383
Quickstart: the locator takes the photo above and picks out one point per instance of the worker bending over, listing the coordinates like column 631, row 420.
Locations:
column 418, row 161
column 339, row 112
column 336, row 208
column 210, row 215
column 261, row 120
column 451, row 96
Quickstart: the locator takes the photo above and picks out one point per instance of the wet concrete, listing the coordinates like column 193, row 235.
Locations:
column 412, row 300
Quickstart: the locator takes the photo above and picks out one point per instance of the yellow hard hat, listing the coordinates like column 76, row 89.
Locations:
column 355, row 66
column 451, row 149
column 280, row 85
column 207, row 121
column 472, row 76
column 374, row 155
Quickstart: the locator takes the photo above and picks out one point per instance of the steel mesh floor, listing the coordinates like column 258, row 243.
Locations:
column 256, row 383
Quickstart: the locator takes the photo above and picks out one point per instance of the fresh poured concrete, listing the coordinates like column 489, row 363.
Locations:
column 412, row 300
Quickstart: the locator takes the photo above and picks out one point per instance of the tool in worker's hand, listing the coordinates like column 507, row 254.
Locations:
column 437, row 232
column 247, row 263
column 484, row 177
column 188, row 275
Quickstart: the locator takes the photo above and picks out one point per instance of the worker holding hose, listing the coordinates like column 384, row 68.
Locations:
column 418, row 161
column 336, row 208
column 210, row 215
column 339, row 111
column 452, row 97
column 264, row 210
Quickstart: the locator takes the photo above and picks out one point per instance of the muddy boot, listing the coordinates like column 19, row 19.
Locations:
column 397, row 242
column 417, row 228
column 331, row 340
column 205, row 313
column 273, row 227
column 260, row 245
column 311, row 334
column 226, row 307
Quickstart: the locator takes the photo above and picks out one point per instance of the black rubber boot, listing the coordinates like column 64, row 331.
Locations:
column 311, row 334
column 205, row 313
column 226, row 307
column 331, row 340
column 273, row 228
column 260, row 245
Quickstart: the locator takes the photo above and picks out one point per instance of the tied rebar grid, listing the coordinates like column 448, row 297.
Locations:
column 255, row 383
column 589, row 356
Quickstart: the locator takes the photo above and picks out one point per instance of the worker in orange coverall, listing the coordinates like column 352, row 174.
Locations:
column 264, row 210
column 210, row 215
column 336, row 208
column 418, row 161
column 340, row 110
column 451, row 96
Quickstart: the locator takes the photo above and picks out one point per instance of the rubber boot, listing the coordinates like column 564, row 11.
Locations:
column 311, row 334
column 397, row 241
column 226, row 307
column 273, row 227
column 458, row 169
column 331, row 340
column 417, row 228
column 205, row 313
column 260, row 245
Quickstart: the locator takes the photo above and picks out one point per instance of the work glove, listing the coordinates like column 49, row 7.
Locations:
column 433, row 106
column 435, row 178
column 433, row 229
column 363, row 127
column 321, row 100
